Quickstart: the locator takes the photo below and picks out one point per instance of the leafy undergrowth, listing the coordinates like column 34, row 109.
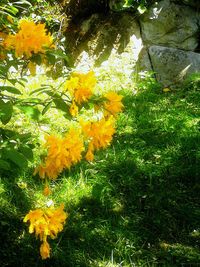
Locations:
column 136, row 205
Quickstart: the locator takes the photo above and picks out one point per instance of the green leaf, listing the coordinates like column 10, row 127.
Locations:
column 10, row 89
column 34, row 100
column 24, row 138
column 6, row 110
column 37, row 59
column 46, row 108
column 58, row 54
column 30, row 111
column 9, row 10
column 4, row 165
column 61, row 104
column 16, row 157
column 40, row 90
column 26, row 151
column 22, row 2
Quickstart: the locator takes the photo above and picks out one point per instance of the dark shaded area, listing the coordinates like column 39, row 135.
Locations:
column 78, row 10
column 99, row 34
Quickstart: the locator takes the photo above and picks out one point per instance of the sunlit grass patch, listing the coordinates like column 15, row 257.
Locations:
column 137, row 204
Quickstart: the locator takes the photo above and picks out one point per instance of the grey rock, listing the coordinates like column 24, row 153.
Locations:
column 169, row 24
column 172, row 65
column 143, row 62
column 192, row 3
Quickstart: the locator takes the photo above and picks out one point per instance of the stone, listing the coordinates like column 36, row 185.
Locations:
column 171, row 65
column 193, row 3
column 170, row 24
column 143, row 62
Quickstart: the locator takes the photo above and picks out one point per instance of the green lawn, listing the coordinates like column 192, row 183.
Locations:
column 136, row 205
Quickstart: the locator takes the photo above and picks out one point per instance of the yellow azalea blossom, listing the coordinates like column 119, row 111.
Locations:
column 114, row 104
column 45, row 250
column 62, row 153
column 72, row 84
column 46, row 223
column 46, row 191
column 82, row 94
column 90, row 153
column 30, row 39
column 81, row 86
column 73, row 109
column 100, row 132
column 33, row 216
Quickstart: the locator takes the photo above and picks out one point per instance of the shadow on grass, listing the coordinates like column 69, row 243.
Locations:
column 144, row 205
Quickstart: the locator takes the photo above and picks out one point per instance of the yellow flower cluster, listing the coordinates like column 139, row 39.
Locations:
column 81, row 86
column 113, row 105
column 30, row 39
column 61, row 153
column 46, row 223
column 99, row 133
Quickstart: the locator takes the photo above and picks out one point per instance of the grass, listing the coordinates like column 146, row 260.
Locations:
column 136, row 205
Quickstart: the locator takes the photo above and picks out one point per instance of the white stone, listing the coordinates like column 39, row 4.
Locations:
column 172, row 65
column 169, row 24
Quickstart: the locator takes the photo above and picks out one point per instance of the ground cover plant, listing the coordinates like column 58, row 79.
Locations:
column 112, row 188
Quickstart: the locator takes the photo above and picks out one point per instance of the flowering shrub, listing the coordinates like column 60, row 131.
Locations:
column 81, row 141
column 88, row 135
column 92, row 114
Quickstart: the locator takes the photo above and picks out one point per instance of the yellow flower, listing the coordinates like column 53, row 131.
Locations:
column 46, row 191
column 71, row 84
column 56, row 220
column 114, row 104
column 33, row 216
column 90, row 153
column 73, row 109
column 62, row 153
column 45, row 250
column 81, row 86
column 82, row 94
column 46, row 223
column 30, row 39
column 100, row 133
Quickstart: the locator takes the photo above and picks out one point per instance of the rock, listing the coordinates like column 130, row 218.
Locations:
column 172, row 65
column 143, row 62
column 193, row 3
column 169, row 24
